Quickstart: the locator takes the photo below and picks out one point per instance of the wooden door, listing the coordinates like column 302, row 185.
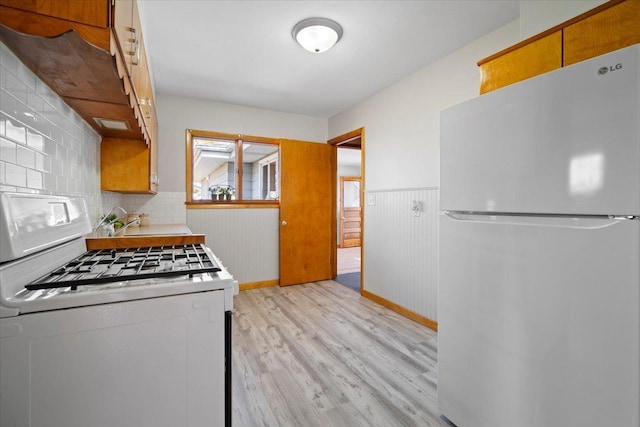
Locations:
column 350, row 218
column 307, row 211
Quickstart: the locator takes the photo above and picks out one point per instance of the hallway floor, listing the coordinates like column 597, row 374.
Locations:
column 348, row 260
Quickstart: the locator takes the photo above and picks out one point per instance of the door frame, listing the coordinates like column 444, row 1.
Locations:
column 355, row 140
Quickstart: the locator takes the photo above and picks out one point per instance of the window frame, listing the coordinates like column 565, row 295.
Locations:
column 239, row 139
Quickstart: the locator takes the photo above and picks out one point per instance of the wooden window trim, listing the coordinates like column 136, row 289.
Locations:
column 225, row 204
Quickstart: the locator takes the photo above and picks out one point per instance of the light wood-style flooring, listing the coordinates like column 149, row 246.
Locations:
column 319, row 354
column 348, row 260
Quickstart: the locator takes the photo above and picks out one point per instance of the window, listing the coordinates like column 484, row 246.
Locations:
column 226, row 168
column 269, row 178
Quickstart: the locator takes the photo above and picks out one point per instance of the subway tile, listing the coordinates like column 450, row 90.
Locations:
column 56, row 166
column 61, row 153
column 15, row 87
column 61, row 184
column 25, row 157
column 8, row 151
column 72, row 186
column 57, row 134
column 34, row 179
column 50, row 182
column 35, row 102
column 46, row 146
column 41, row 125
column 7, row 102
column 45, row 93
column 8, row 60
column 16, row 131
column 50, row 147
column 43, row 163
column 26, row 76
column 15, row 175
column 35, row 140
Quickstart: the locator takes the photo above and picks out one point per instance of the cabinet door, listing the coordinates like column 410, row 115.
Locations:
column 125, row 166
column 90, row 12
column 530, row 60
column 126, row 34
column 609, row 30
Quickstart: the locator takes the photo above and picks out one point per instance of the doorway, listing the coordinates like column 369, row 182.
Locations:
column 349, row 212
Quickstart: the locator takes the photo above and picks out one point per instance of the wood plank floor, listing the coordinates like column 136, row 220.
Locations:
column 319, row 354
column 348, row 260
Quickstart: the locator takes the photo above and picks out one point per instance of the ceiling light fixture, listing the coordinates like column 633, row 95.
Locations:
column 317, row 34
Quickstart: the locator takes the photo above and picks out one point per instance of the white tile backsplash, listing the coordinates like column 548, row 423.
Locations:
column 163, row 208
column 46, row 147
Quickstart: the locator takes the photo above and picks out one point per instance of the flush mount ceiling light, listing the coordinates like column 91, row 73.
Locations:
column 317, row 34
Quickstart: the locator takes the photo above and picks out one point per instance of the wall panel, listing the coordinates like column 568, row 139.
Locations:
column 401, row 249
column 246, row 240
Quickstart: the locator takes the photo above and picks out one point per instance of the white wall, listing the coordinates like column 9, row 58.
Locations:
column 177, row 114
column 402, row 164
column 245, row 239
column 402, row 157
column 402, row 122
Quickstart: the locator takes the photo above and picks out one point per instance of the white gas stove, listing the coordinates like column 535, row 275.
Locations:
column 151, row 325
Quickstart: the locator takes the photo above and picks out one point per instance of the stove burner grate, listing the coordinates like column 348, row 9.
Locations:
column 114, row 265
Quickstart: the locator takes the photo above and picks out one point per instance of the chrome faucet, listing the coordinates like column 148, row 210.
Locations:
column 105, row 227
column 121, row 229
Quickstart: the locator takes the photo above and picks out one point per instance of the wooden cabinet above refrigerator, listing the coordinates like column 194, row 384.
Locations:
column 608, row 27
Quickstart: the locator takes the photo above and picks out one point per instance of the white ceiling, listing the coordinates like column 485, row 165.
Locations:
column 242, row 52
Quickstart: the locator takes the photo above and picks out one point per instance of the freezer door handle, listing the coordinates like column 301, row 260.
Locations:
column 585, row 223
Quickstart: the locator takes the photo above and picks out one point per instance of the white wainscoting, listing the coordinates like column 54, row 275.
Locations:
column 401, row 249
column 246, row 240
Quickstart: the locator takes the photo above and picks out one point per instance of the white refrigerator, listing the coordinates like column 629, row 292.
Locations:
column 539, row 290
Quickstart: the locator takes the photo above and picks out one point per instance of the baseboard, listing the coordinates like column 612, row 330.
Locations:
column 256, row 285
column 419, row 318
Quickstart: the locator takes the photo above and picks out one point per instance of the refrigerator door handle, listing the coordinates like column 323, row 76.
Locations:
column 585, row 223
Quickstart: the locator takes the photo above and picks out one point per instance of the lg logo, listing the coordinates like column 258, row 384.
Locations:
column 604, row 70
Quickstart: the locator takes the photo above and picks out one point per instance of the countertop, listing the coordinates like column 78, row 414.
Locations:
column 150, row 235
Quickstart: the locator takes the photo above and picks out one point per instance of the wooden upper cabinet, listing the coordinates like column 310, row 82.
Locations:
column 612, row 29
column 83, row 51
column 90, row 12
column 126, row 166
column 125, row 33
column 608, row 27
column 91, row 53
column 540, row 56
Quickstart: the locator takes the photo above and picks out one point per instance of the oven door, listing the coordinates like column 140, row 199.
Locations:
column 155, row 362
